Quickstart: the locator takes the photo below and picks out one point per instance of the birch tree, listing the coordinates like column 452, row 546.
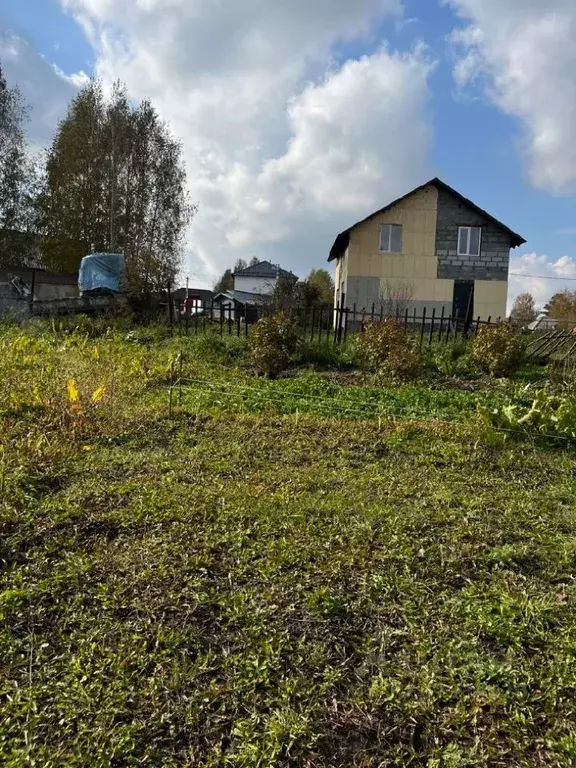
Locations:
column 16, row 180
column 115, row 182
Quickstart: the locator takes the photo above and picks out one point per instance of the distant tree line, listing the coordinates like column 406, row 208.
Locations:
column 561, row 307
column 112, row 180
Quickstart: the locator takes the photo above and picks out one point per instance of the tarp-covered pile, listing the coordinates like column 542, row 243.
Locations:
column 102, row 273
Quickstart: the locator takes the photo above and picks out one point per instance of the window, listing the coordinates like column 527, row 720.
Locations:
column 391, row 238
column 469, row 241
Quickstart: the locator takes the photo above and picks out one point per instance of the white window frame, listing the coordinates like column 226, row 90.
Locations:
column 468, row 239
column 389, row 249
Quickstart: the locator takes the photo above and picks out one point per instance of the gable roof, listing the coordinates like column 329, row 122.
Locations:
column 343, row 239
column 264, row 269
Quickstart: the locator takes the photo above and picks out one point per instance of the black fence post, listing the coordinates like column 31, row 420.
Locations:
column 441, row 324
column 432, row 327
column 229, row 319
column 423, row 327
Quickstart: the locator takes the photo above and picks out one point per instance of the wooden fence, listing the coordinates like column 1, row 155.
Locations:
column 556, row 343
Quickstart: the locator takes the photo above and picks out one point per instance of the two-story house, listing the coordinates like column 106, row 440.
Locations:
column 253, row 286
column 431, row 249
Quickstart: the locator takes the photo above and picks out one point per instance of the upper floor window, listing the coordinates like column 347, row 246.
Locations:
column 391, row 238
column 469, row 241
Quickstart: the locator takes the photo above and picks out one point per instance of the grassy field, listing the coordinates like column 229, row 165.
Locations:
column 260, row 579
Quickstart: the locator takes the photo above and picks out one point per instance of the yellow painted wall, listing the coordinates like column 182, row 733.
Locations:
column 490, row 298
column 417, row 264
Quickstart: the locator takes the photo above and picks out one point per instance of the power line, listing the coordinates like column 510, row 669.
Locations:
column 540, row 277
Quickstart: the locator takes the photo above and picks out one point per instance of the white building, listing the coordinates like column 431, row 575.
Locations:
column 253, row 286
column 260, row 278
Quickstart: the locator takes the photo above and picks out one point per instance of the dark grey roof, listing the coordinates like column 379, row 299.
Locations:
column 264, row 269
column 343, row 239
column 195, row 293
column 244, row 297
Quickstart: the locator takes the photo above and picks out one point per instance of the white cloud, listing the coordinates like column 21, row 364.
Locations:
column 523, row 52
column 45, row 88
column 76, row 79
column 284, row 147
column 537, row 274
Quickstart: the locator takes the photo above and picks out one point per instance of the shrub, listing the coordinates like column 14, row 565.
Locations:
column 273, row 343
column 499, row 350
column 402, row 364
column 385, row 348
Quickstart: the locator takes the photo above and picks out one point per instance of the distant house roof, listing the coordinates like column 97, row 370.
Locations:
column 243, row 297
column 195, row 293
column 343, row 239
column 264, row 269
column 542, row 322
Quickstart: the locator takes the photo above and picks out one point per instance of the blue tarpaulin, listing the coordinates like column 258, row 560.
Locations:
column 102, row 272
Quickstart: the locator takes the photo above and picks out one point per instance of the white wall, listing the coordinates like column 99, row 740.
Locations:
column 249, row 284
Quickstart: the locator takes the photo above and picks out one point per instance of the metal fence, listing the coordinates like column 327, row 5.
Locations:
column 324, row 322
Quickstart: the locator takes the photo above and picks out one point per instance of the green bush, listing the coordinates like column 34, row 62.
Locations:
column 274, row 340
column 498, row 350
column 324, row 354
column 452, row 359
column 385, row 349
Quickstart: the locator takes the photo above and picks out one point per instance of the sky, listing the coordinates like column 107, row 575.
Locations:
column 299, row 118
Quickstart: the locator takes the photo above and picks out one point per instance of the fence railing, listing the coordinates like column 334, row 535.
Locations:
column 324, row 322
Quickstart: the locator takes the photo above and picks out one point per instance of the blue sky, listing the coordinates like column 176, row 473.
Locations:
column 478, row 92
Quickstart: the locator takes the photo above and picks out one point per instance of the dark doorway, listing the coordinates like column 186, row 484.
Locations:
column 463, row 301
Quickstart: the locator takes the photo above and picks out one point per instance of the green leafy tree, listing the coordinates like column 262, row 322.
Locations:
column 115, row 181
column 317, row 288
column 225, row 283
column 17, row 180
column 562, row 306
column 285, row 294
column 523, row 310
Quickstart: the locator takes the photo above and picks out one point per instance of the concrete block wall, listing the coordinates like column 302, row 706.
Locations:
column 493, row 260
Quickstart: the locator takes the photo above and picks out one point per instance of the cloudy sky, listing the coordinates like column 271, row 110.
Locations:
column 297, row 118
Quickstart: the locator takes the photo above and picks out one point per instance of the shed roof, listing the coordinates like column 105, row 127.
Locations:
column 343, row 239
column 243, row 297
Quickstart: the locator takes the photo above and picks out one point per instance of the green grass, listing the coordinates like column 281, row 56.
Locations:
column 237, row 586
